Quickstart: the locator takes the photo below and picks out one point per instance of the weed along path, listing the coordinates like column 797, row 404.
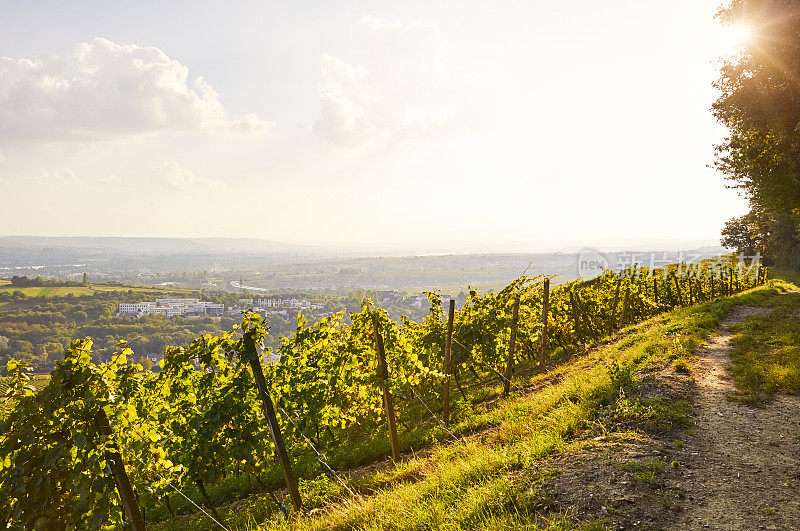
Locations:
column 741, row 466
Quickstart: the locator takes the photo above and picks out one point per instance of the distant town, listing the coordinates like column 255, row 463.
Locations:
column 273, row 305
column 187, row 307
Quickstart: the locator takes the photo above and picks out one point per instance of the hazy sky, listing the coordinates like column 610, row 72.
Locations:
column 493, row 124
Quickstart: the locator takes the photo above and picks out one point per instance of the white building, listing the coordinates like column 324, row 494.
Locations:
column 169, row 311
column 214, row 308
column 136, row 307
column 172, row 307
column 176, row 302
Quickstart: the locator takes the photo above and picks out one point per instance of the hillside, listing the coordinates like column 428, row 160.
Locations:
column 635, row 434
column 594, row 441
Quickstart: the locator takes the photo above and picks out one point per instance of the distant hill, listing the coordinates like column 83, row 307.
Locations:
column 155, row 245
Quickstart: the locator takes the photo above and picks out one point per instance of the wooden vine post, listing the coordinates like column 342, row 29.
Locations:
column 577, row 321
column 129, row 502
column 272, row 420
column 574, row 311
column 545, row 313
column 388, row 401
column 595, row 333
column 612, row 321
column 655, row 289
column 678, row 289
column 201, row 486
column 448, row 348
column 512, row 343
column 669, row 290
column 625, row 307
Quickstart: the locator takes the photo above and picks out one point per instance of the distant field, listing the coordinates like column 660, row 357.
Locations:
column 49, row 291
column 3, row 282
column 38, row 381
column 455, row 289
column 108, row 287
column 481, row 287
column 61, row 291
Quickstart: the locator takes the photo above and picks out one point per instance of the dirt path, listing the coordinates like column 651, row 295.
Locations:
column 741, row 467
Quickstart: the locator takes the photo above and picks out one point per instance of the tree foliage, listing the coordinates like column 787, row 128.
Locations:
column 759, row 103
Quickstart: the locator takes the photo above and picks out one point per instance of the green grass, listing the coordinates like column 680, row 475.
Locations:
column 492, row 481
column 786, row 275
column 29, row 292
column 766, row 348
column 38, row 382
column 77, row 291
column 645, row 472
column 666, row 414
column 49, row 291
column 151, row 289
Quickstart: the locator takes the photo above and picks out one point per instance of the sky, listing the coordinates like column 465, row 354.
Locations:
column 494, row 126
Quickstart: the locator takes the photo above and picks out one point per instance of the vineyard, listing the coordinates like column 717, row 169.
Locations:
column 109, row 444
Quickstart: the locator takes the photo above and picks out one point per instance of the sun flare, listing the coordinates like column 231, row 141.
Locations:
column 730, row 38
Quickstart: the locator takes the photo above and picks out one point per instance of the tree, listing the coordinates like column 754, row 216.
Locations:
column 759, row 232
column 760, row 105
column 85, row 279
column 53, row 351
column 146, row 363
column 743, row 234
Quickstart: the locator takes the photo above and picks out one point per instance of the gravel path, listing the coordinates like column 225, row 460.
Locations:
column 741, row 467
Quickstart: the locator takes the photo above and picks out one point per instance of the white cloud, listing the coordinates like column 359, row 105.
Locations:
column 64, row 176
column 399, row 89
column 171, row 175
column 110, row 179
column 105, row 90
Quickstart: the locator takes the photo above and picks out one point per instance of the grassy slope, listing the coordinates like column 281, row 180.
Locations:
column 492, row 479
column 49, row 291
column 38, row 382
column 766, row 348
column 62, row 291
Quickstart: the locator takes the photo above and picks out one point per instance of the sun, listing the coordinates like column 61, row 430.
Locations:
column 728, row 39
column 737, row 35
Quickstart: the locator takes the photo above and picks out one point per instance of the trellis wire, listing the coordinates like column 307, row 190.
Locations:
column 179, row 491
column 320, row 457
